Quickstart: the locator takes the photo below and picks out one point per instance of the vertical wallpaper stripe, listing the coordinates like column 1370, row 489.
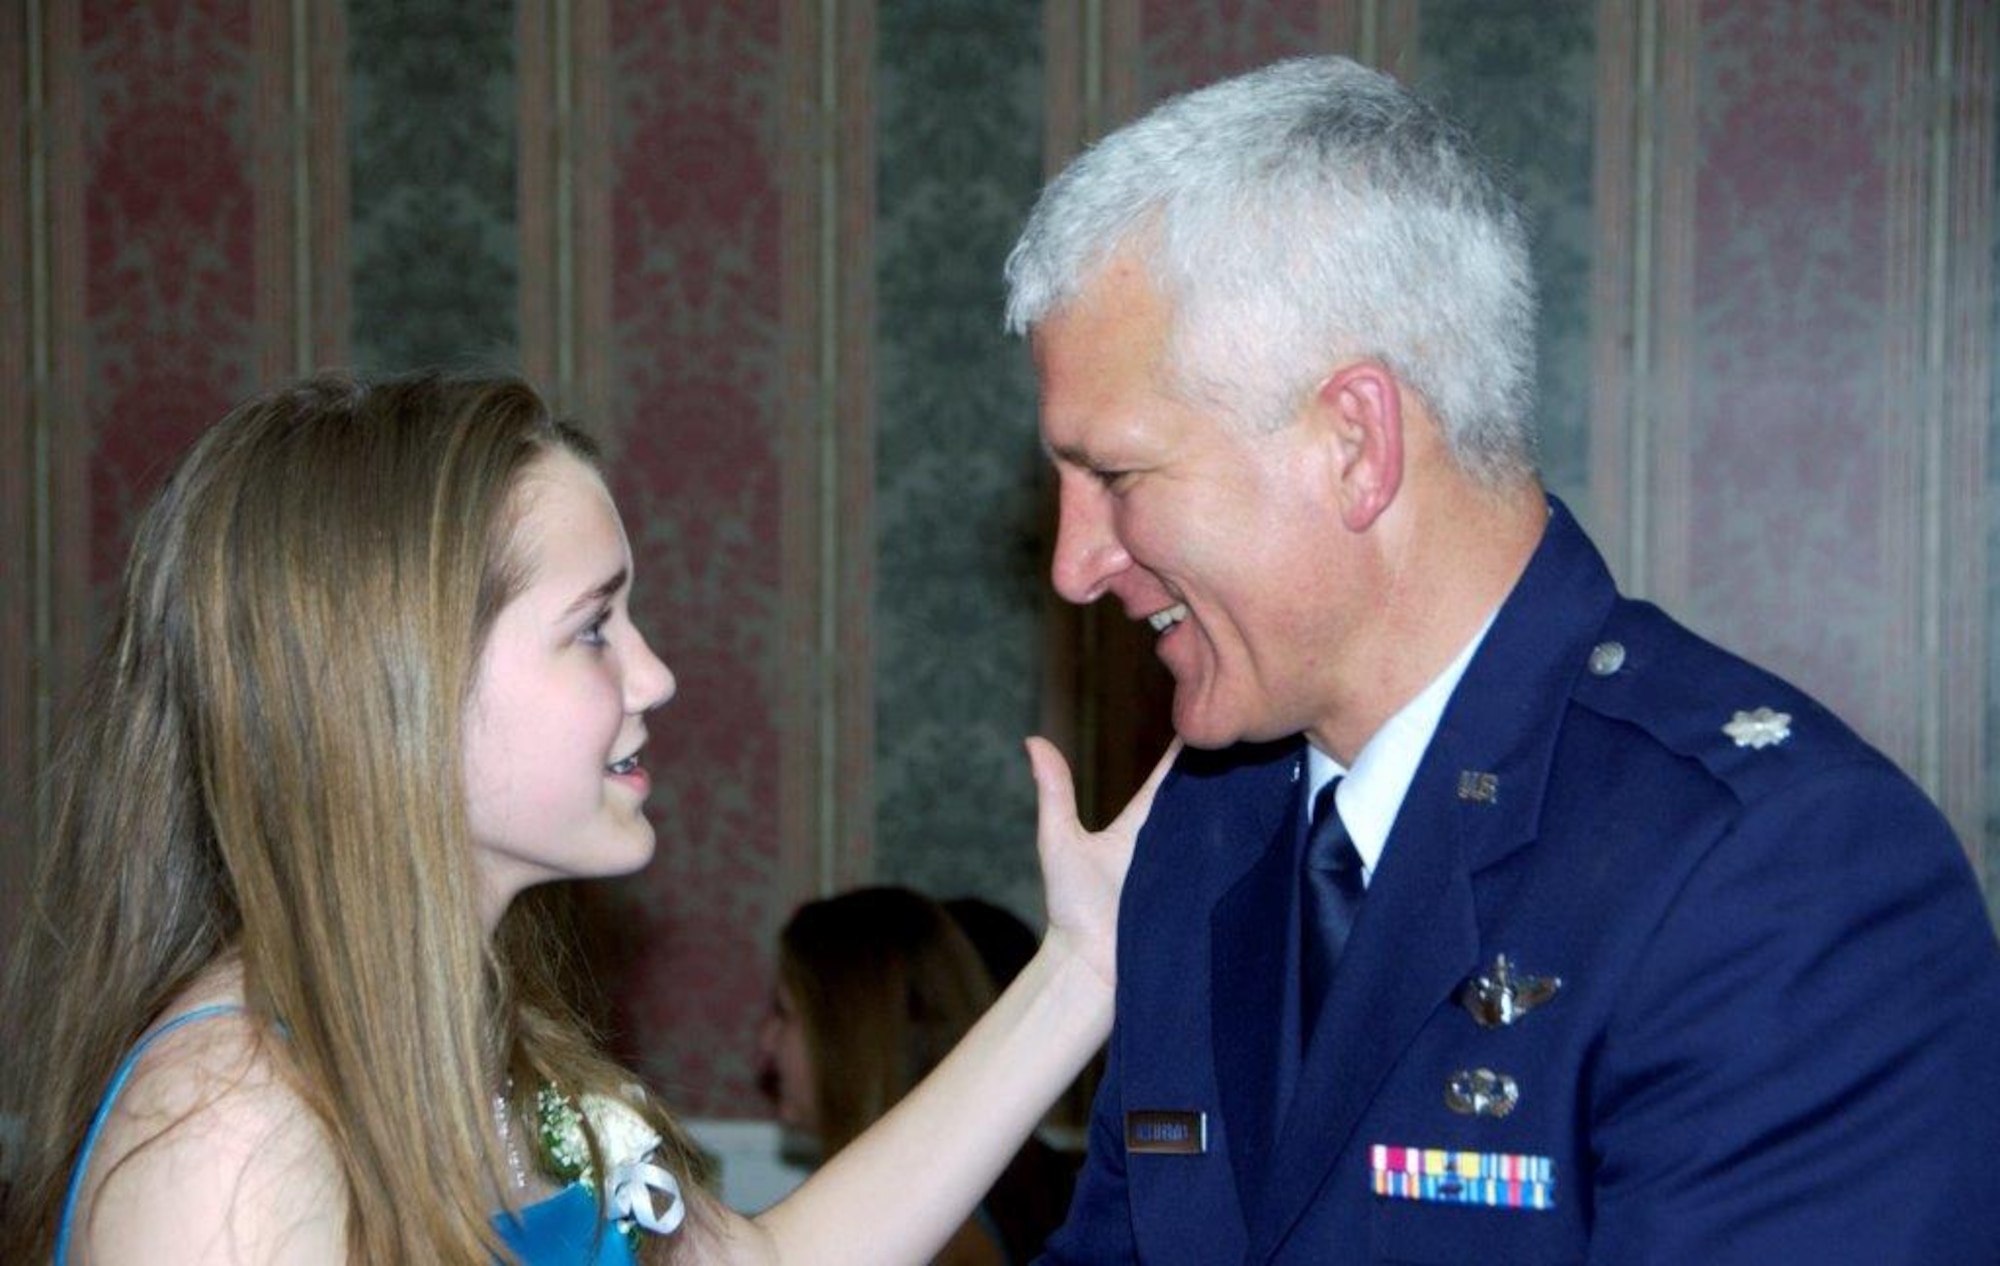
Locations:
column 1115, row 75
column 63, row 422
column 545, row 65
column 850, row 840
column 1619, row 287
column 17, row 557
column 1967, row 69
column 588, row 141
column 1670, row 36
column 1641, row 313
column 329, row 317
column 21, row 178
column 1642, row 243
column 804, row 839
column 298, row 125
column 1913, row 387
column 280, row 183
column 1909, row 388
column 564, row 127
column 827, row 828
column 1990, row 492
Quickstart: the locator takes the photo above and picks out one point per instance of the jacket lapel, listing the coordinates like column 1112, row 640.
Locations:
column 1253, row 1030
column 1417, row 935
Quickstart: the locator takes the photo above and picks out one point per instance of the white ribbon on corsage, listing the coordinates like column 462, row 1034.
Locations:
column 636, row 1189
column 631, row 1194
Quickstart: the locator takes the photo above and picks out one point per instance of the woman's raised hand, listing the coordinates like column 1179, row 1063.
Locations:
column 1082, row 871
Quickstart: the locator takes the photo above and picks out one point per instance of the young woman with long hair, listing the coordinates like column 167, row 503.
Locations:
column 373, row 676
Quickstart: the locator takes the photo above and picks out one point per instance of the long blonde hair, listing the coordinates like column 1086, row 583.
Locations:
column 266, row 760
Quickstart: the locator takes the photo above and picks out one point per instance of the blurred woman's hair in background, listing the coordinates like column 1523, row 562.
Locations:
column 882, row 982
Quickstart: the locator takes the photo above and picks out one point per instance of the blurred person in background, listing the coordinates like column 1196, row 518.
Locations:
column 873, row 988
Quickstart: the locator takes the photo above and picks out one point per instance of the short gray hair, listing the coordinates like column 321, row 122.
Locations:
column 1302, row 214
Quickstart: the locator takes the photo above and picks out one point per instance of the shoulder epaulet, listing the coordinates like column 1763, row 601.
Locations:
column 1751, row 729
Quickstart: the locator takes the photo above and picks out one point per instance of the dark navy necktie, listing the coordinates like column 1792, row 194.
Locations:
column 1329, row 900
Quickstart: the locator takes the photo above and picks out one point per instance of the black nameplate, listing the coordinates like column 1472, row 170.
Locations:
column 1166, row 1133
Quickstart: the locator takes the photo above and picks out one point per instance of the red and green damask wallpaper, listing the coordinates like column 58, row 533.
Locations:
column 1766, row 240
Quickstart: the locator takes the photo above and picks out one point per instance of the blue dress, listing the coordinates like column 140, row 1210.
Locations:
column 563, row 1230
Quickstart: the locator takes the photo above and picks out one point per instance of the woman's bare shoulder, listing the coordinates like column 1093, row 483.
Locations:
column 209, row 1155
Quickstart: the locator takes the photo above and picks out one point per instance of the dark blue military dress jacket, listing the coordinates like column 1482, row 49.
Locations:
column 1775, row 1037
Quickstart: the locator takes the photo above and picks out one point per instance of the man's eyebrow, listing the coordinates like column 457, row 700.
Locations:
column 597, row 593
column 1070, row 453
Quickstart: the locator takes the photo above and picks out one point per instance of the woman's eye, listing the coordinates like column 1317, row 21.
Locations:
column 593, row 632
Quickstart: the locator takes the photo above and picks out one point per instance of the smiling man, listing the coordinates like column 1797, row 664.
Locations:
column 1491, row 916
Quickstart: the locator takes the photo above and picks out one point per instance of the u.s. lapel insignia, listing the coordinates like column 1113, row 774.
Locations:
column 1481, row 1092
column 1498, row 997
column 1478, row 786
column 1762, row 728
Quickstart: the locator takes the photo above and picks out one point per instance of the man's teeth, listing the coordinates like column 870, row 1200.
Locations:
column 625, row 766
column 1164, row 620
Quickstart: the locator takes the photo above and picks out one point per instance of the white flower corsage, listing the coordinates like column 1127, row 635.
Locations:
column 638, row 1192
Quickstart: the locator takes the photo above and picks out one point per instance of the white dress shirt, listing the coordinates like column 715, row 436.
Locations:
column 1371, row 793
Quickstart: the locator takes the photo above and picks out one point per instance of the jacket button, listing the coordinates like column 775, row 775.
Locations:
column 1607, row 658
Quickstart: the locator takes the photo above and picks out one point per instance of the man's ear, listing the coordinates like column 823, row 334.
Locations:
column 1362, row 408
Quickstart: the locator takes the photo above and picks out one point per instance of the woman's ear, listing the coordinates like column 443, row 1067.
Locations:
column 1360, row 410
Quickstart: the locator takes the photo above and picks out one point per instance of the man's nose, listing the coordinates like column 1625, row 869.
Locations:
column 1088, row 551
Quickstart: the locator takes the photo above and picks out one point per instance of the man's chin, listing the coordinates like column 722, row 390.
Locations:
column 1202, row 728
column 1211, row 728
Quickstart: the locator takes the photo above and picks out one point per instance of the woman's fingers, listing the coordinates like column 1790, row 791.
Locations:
column 1055, row 791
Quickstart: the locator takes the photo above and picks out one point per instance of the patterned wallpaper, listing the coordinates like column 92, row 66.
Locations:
column 169, row 201
column 1521, row 75
column 961, row 539
column 1768, row 379
column 694, row 237
column 1991, row 596
column 1792, row 121
column 431, row 138
column 1183, row 46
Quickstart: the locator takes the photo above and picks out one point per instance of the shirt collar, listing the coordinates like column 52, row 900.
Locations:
column 1371, row 792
